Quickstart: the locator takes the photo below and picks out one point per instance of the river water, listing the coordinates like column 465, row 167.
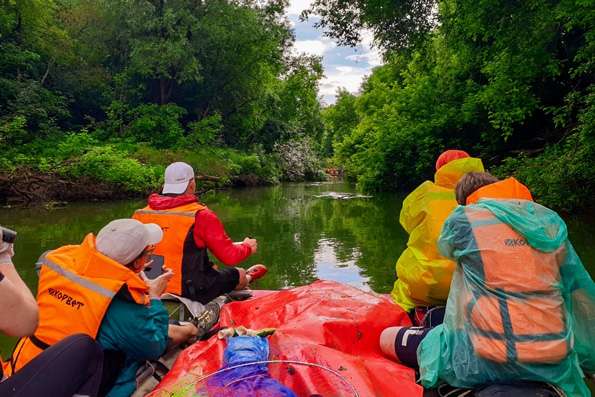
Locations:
column 305, row 232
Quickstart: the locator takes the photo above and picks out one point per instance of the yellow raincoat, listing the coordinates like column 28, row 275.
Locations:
column 423, row 275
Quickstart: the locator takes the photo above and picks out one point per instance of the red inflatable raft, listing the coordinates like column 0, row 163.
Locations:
column 326, row 344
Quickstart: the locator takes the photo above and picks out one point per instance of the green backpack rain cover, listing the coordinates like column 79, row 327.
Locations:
column 521, row 304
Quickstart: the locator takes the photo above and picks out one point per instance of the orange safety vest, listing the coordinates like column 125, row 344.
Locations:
column 76, row 286
column 4, row 368
column 517, row 313
column 508, row 188
column 177, row 224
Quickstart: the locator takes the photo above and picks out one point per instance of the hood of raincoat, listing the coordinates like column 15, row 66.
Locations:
column 159, row 202
column 448, row 175
column 448, row 156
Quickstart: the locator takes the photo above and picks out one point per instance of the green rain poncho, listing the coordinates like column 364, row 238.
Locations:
column 521, row 304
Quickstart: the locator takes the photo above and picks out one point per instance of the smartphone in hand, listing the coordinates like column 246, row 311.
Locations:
column 155, row 269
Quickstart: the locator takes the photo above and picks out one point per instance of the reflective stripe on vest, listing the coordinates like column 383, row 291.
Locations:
column 516, row 312
column 74, row 277
column 161, row 212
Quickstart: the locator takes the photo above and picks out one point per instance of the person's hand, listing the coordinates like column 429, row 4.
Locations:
column 181, row 333
column 190, row 329
column 252, row 243
column 6, row 252
column 157, row 285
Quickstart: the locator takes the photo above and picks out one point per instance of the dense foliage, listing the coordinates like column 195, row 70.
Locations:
column 511, row 82
column 396, row 24
column 114, row 89
column 116, row 79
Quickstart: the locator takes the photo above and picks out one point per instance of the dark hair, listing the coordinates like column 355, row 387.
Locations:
column 470, row 182
column 144, row 252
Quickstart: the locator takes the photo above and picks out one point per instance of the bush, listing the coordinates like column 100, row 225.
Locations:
column 158, row 125
column 259, row 165
column 32, row 111
column 298, row 160
column 74, row 145
column 561, row 177
column 205, row 160
column 204, row 132
column 223, row 163
column 13, row 129
column 105, row 163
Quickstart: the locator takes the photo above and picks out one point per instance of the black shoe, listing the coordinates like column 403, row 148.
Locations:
column 238, row 295
column 207, row 319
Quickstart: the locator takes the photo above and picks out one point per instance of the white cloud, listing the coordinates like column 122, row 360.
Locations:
column 297, row 6
column 369, row 53
column 367, row 37
column 313, row 47
column 341, row 76
column 345, row 69
column 357, row 58
column 371, row 57
column 338, row 62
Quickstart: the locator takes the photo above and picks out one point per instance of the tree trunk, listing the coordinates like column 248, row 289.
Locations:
column 162, row 84
column 46, row 74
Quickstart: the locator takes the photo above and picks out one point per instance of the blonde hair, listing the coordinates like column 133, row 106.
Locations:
column 470, row 182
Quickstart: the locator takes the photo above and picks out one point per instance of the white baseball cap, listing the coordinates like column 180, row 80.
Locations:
column 123, row 240
column 177, row 177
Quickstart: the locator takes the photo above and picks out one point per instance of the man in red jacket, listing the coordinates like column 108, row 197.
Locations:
column 190, row 229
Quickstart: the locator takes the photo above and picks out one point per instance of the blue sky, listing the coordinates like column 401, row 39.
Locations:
column 343, row 66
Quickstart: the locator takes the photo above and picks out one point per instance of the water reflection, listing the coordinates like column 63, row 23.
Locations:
column 330, row 267
column 341, row 196
column 304, row 235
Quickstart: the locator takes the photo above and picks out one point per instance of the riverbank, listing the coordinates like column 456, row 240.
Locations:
column 81, row 167
column 27, row 186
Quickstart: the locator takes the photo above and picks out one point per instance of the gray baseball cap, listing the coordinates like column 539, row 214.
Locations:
column 177, row 177
column 123, row 240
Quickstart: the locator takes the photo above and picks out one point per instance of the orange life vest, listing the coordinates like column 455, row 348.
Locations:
column 517, row 314
column 177, row 224
column 4, row 368
column 508, row 188
column 76, row 286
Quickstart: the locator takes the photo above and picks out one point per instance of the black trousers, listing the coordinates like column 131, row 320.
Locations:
column 72, row 366
column 206, row 286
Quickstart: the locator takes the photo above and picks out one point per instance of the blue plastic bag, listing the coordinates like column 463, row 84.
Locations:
column 246, row 380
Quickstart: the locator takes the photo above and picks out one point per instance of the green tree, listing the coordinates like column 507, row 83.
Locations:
column 293, row 106
column 30, row 43
column 211, row 58
column 499, row 79
column 396, row 24
column 339, row 120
